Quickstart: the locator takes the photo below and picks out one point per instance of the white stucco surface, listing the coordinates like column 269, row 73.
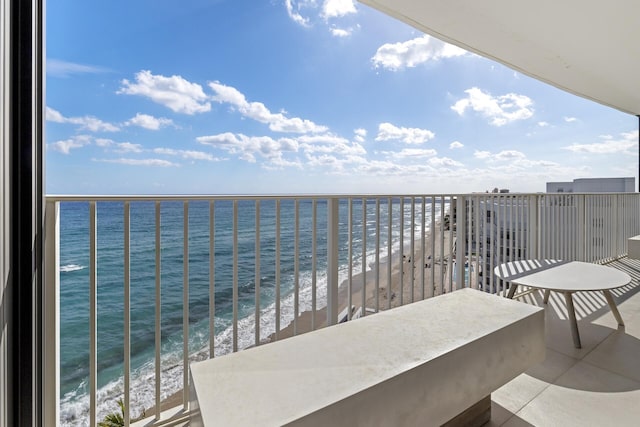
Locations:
column 421, row 363
column 634, row 247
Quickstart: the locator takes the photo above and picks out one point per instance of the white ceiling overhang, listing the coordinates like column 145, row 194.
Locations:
column 590, row 48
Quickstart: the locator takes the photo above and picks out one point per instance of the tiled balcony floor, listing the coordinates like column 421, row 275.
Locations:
column 598, row 385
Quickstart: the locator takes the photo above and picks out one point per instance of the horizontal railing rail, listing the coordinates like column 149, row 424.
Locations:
column 142, row 285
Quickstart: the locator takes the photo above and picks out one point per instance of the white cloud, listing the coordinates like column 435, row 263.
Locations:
column 387, row 131
column 570, row 119
column 502, row 156
column 396, row 56
column 294, row 8
column 89, row 123
column 340, row 32
column 173, row 92
column 329, row 143
column 278, row 122
column 277, row 153
column 509, row 155
column 455, row 145
column 331, row 14
column 128, row 147
column 148, row 122
column 65, row 146
column 627, row 144
column 186, row 154
column 360, row 135
column 138, row 162
column 119, row 147
column 337, row 8
column 388, row 168
column 543, row 124
column 499, row 110
column 446, row 162
column 411, row 153
column 481, row 154
column 54, row 116
column 247, row 147
column 60, row 68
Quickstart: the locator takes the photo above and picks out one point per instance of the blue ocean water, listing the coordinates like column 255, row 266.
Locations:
column 74, row 287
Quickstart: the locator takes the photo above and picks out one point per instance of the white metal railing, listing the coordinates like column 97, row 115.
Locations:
column 263, row 261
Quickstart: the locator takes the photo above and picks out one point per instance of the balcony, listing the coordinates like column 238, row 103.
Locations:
column 594, row 385
column 145, row 285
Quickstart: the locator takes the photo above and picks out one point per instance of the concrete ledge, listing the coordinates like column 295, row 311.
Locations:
column 420, row 364
column 633, row 248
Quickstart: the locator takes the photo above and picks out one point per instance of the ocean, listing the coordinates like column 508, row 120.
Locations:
column 74, row 285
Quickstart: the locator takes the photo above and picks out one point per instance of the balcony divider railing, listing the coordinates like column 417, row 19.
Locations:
column 253, row 264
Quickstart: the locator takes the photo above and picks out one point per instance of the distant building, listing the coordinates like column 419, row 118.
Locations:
column 594, row 185
column 501, row 225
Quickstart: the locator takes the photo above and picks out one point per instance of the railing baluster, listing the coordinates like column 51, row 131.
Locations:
column 314, row 254
column 492, row 249
column 212, row 278
column 389, row 248
column 433, row 235
column 235, row 276
column 277, row 262
column 127, row 312
column 364, row 257
column 377, row 261
column 158, row 313
column 296, row 266
column 422, row 244
column 543, row 216
column 93, row 312
column 185, row 306
column 412, row 256
column 349, row 257
column 401, row 257
column 461, row 220
column 483, row 252
column 501, row 219
column 452, row 207
column 257, row 275
column 588, row 240
column 517, row 235
column 332, row 260
column 580, row 228
column 565, row 227
column 476, row 249
column 512, row 227
column 442, row 275
column 616, row 224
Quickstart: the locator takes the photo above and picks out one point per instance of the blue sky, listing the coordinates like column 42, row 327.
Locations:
column 283, row 96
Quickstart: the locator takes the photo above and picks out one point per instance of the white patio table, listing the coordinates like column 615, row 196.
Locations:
column 565, row 277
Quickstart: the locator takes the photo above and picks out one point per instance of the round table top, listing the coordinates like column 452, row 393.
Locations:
column 561, row 276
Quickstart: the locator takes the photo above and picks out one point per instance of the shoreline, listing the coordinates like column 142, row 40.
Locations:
column 374, row 302
column 380, row 301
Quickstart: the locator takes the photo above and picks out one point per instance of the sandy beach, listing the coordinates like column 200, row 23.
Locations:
column 408, row 270
column 407, row 273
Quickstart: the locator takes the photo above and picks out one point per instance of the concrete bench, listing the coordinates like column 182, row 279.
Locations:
column 433, row 362
column 633, row 248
